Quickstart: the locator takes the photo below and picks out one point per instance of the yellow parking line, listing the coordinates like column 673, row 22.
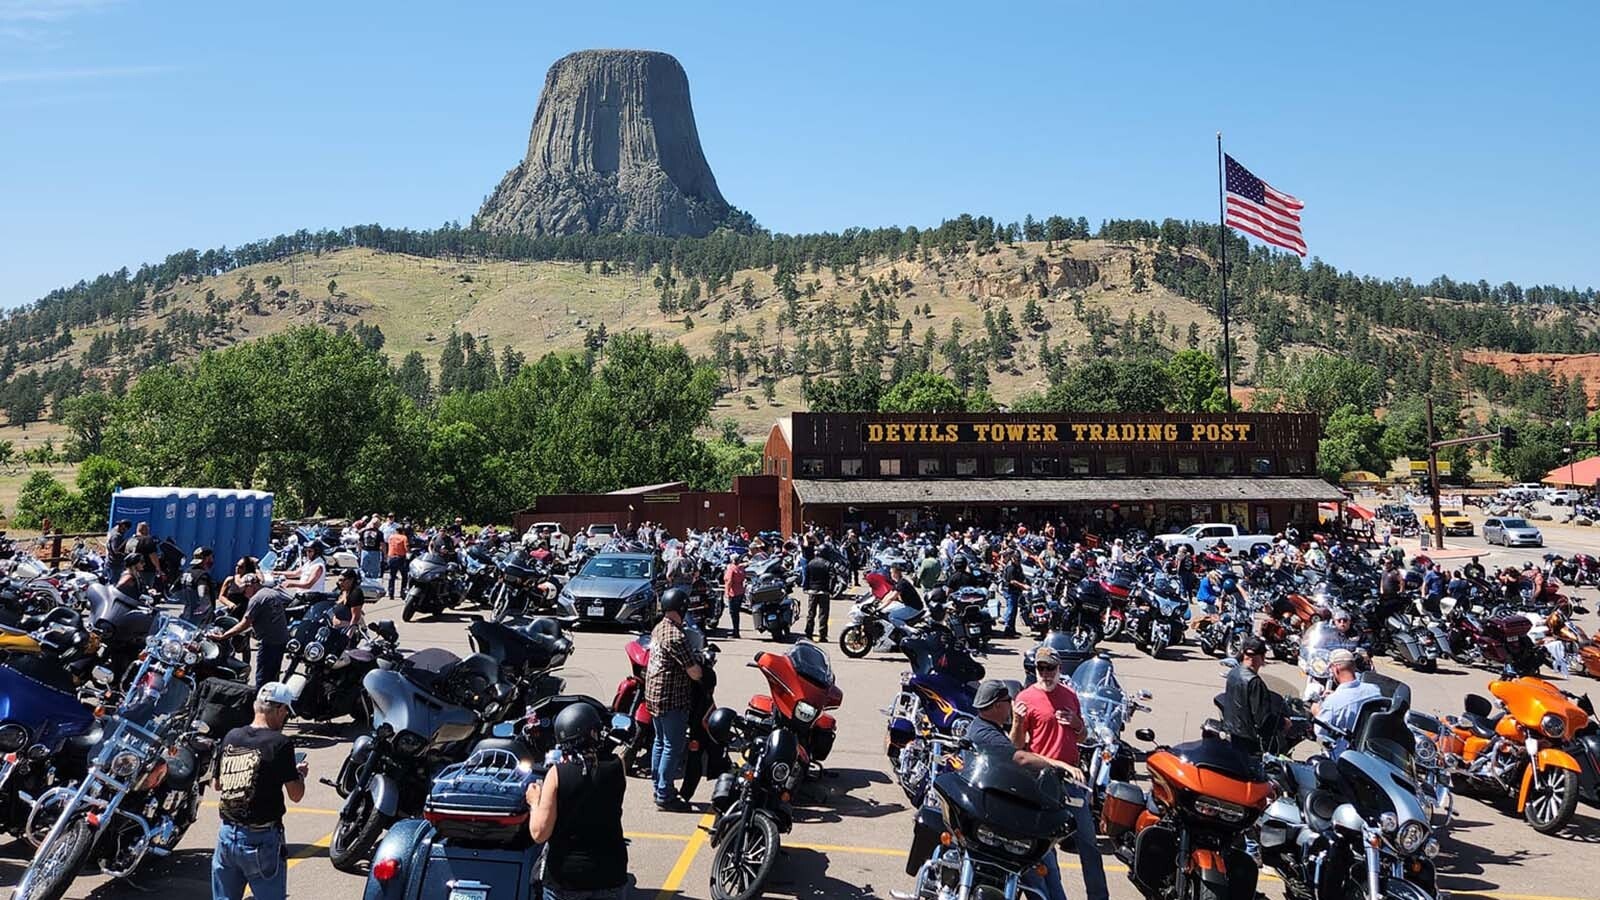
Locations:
column 658, row 836
column 317, row 848
column 680, row 869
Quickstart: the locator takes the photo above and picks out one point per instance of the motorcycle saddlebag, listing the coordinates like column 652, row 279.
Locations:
column 480, row 801
column 823, row 735
column 224, row 705
column 724, row 791
column 1511, row 626
column 766, row 591
column 1121, row 809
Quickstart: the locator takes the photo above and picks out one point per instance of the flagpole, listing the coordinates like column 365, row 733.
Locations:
column 1222, row 240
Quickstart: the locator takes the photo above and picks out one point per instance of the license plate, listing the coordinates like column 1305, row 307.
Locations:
column 974, row 629
column 468, row 894
column 593, row 611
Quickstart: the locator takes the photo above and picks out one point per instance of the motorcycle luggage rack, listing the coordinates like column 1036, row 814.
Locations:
column 494, row 767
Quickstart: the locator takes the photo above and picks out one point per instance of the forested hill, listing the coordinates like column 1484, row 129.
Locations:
column 1005, row 308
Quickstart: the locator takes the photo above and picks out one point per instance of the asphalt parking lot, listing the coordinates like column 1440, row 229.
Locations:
column 849, row 838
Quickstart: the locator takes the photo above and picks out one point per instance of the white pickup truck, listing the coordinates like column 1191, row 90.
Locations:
column 1204, row 536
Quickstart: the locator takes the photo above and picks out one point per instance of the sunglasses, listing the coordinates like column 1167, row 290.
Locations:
column 1047, row 667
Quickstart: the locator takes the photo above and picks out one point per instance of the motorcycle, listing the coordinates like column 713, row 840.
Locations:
column 935, row 697
column 434, row 586
column 40, row 714
column 767, row 599
column 1498, row 642
column 629, row 699
column 1524, row 751
column 144, row 781
column 1157, row 617
column 326, row 664
column 1184, row 839
column 1106, row 710
column 1355, row 826
column 872, row 630
column 522, row 588
column 427, row 713
column 782, row 736
column 1223, row 633
column 1417, row 640
column 999, row 820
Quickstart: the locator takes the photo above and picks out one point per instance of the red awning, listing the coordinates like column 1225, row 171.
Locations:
column 1357, row 511
column 1581, row 474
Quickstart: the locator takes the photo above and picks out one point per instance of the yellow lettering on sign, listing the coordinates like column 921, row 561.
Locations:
column 1097, row 432
column 1078, row 431
column 1014, row 433
column 909, row 429
column 1035, row 434
column 982, row 431
column 1050, row 433
column 1244, row 431
column 1169, row 432
column 952, row 433
column 891, row 433
column 875, row 434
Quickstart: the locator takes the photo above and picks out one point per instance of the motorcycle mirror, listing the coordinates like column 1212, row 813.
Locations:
column 621, row 723
column 201, row 727
column 1345, row 817
column 100, row 674
column 1145, row 695
column 1146, row 734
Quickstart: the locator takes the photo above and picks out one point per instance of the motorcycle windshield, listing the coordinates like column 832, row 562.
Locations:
column 1009, row 798
column 1314, row 651
column 1099, row 695
column 315, row 618
column 811, row 663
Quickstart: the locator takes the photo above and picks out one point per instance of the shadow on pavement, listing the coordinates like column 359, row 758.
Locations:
column 803, row 875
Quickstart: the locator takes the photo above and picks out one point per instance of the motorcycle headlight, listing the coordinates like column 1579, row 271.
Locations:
column 171, row 651
column 959, row 726
column 805, row 712
column 1554, row 725
column 1411, row 837
column 1217, row 809
column 293, row 646
column 1388, row 822
column 1015, row 846
column 124, row 764
column 781, row 772
column 409, row 742
column 12, row 737
column 1431, row 848
column 1319, row 666
column 1103, row 735
column 315, row 652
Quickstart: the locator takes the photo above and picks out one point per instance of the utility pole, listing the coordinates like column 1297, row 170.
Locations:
column 1507, row 437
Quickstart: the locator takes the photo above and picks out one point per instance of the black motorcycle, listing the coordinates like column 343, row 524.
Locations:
column 1000, row 820
column 326, row 664
column 435, row 586
column 1156, row 617
column 524, row 587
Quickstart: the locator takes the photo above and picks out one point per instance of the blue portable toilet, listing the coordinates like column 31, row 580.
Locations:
column 205, row 532
column 263, row 535
column 244, row 532
column 188, row 520
column 165, row 523
column 134, row 504
column 227, row 525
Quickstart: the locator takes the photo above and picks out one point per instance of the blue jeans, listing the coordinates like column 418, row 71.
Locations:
column 666, row 753
column 1094, row 872
column 253, row 857
column 372, row 563
column 269, row 663
column 1013, row 600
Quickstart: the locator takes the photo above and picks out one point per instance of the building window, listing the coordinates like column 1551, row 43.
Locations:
column 809, row 467
column 1004, row 465
column 1224, row 464
column 1188, row 465
column 1294, row 465
column 1155, row 465
column 1261, row 465
column 783, row 468
column 888, row 467
column 930, row 465
column 1077, row 465
column 849, row 467
column 966, row 465
column 1041, row 465
column 1116, row 465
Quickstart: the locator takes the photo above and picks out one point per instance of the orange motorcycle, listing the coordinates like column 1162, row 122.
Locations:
column 1184, row 841
column 1537, row 748
column 1582, row 651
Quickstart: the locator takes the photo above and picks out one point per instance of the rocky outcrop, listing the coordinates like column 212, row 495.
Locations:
column 613, row 149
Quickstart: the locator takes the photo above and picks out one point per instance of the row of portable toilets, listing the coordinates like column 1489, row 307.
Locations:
column 233, row 523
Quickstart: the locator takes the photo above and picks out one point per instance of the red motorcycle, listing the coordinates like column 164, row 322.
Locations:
column 629, row 701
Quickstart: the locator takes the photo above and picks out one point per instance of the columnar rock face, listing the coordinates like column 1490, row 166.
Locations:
column 613, row 149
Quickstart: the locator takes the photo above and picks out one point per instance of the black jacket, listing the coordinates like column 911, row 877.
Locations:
column 1251, row 713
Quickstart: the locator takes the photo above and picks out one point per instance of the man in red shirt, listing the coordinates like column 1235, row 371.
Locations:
column 733, row 590
column 1047, row 720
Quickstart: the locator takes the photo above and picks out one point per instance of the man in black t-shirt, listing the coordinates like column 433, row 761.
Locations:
column 372, row 543
column 255, row 766
column 264, row 614
column 903, row 602
column 149, row 551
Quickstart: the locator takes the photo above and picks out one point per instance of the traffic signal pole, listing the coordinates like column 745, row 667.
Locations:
column 1507, row 438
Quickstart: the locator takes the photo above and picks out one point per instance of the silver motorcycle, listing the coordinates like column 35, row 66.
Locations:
column 1106, row 709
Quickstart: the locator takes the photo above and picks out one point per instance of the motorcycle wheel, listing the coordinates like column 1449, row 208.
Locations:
column 56, row 864
column 1113, row 628
column 499, row 604
column 1428, row 665
column 409, row 612
column 854, row 642
column 1552, row 799
column 353, row 839
column 744, row 860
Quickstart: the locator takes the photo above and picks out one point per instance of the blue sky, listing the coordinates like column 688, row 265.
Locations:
column 1435, row 138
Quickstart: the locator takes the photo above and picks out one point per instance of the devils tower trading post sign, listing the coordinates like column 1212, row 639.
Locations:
column 1056, row 432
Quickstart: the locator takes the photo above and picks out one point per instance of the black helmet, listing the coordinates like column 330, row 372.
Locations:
column 960, row 563
column 674, row 599
column 578, row 725
column 1075, row 567
column 719, row 724
column 350, row 573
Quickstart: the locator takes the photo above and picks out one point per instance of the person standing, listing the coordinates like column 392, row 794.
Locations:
column 819, row 594
column 371, row 541
column 199, row 589
column 668, row 693
column 399, row 552
column 116, row 550
column 255, row 768
column 148, row 550
column 1251, row 713
column 1048, row 721
column 930, row 571
column 263, row 614
column 733, row 578
column 1013, row 582
column 576, row 812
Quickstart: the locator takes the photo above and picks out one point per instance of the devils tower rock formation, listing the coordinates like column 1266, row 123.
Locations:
column 613, row 148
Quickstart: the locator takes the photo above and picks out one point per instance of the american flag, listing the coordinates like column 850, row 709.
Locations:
column 1256, row 208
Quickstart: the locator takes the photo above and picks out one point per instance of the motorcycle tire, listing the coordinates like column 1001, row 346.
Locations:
column 56, row 864
column 409, row 612
column 1113, row 628
column 500, row 604
column 744, row 860
column 1427, row 665
column 854, row 642
column 1552, row 799
column 354, row 839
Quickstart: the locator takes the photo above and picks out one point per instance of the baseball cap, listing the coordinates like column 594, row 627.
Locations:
column 989, row 693
column 276, row 692
column 1252, row 646
column 1046, row 655
column 1341, row 657
column 1339, row 613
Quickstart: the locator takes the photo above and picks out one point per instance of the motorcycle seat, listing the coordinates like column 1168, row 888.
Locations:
column 1482, row 726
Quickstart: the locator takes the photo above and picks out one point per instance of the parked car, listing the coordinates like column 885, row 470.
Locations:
column 1561, row 496
column 1203, row 537
column 601, row 531
column 1511, row 531
column 1455, row 523
column 1397, row 514
column 616, row 588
